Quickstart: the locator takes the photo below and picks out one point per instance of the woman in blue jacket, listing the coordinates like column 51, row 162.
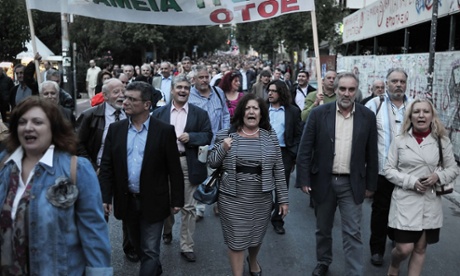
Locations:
column 52, row 221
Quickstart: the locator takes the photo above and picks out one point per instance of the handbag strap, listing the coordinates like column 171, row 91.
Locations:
column 73, row 169
column 382, row 99
column 441, row 158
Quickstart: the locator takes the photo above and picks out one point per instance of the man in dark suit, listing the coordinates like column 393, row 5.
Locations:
column 50, row 90
column 193, row 129
column 92, row 127
column 285, row 120
column 140, row 156
column 337, row 134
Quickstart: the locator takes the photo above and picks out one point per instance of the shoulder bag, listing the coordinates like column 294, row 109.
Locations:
column 447, row 188
column 208, row 191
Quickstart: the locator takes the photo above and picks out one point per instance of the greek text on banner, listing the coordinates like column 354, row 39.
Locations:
column 176, row 12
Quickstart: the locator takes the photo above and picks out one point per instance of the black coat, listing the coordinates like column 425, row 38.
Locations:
column 317, row 149
column 161, row 179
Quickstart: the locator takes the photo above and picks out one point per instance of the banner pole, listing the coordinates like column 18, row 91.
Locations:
column 34, row 43
column 316, row 48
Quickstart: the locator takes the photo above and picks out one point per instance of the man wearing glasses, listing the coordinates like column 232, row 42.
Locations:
column 141, row 172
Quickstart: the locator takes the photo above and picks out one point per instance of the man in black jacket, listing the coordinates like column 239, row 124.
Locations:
column 6, row 84
column 300, row 90
column 285, row 120
column 193, row 129
column 92, row 127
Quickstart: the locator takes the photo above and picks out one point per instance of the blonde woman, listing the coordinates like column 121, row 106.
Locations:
column 412, row 165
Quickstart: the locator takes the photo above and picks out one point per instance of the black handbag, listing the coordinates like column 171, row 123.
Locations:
column 447, row 188
column 208, row 191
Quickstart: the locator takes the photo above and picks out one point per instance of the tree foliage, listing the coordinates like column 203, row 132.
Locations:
column 14, row 29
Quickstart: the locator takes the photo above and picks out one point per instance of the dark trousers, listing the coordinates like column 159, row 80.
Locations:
column 288, row 162
column 146, row 237
column 379, row 216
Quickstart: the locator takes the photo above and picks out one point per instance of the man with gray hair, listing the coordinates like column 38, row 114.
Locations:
column 337, row 165
column 50, row 90
column 377, row 89
column 162, row 82
column 193, row 129
column 65, row 99
column 212, row 100
column 390, row 118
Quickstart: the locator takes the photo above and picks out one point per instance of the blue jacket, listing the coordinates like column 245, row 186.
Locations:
column 64, row 241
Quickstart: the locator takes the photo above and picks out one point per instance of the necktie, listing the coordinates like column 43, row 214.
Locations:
column 117, row 115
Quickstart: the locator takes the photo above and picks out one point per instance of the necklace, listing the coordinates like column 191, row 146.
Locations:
column 250, row 134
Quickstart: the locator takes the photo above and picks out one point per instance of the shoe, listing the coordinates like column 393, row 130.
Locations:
column 377, row 259
column 258, row 273
column 320, row 270
column 215, row 209
column 198, row 218
column 189, row 256
column 279, row 229
column 167, row 238
column 132, row 256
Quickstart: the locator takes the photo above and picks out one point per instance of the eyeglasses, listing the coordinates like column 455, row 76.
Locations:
column 133, row 100
column 271, row 90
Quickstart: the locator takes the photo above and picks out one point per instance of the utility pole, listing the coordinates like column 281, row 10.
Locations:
column 434, row 27
column 66, row 57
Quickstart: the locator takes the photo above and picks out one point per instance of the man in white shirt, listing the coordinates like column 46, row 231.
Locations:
column 91, row 78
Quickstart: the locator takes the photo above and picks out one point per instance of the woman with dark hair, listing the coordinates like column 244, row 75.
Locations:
column 101, row 77
column 52, row 221
column 419, row 158
column 250, row 157
column 230, row 84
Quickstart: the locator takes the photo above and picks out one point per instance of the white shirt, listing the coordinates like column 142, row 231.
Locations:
column 109, row 118
column 17, row 156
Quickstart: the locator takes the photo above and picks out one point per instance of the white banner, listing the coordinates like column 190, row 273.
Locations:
column 391, row 15
column 176, row 12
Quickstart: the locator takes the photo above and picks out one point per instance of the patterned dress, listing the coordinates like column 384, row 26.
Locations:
column 245, row 218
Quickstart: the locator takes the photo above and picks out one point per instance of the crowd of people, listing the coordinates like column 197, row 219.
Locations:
column 138, row 149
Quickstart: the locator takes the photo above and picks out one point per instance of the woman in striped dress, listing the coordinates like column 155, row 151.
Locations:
column 253, row 169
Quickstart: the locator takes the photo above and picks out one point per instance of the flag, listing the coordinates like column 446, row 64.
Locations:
column 176, row 12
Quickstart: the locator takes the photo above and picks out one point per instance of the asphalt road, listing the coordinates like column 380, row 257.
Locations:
column 292, row 253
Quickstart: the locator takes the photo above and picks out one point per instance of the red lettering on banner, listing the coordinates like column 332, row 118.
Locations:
column 266, row 9
column 287, row 6
column 246, row 15
column 227, row 13
column 262, row 9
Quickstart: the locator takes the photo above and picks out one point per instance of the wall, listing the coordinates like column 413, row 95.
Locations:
column 446, row 82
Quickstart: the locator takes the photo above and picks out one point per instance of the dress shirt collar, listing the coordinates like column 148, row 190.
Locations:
column 146, row 124
column 18, row 154
column 276, row 109
column 185, row 107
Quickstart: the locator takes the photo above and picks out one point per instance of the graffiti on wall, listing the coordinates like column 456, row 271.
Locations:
column 446, row 82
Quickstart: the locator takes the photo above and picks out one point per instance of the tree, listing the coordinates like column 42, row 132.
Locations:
column 14, row 29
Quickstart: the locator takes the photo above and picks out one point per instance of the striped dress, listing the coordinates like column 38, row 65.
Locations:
column 245, row 218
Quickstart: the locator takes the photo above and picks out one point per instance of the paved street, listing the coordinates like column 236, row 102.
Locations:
column 289, row 254
column 292, row 253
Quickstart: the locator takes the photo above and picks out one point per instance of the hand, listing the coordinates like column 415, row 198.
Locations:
column 419, row 187
column 107, row 209
column 184, row 138
column 227, row 143
column 175, row 210
column 430, row 180
column 283, row 210
column 319, row 98
column 37, row 57
column 369, row 194
column 306, row 189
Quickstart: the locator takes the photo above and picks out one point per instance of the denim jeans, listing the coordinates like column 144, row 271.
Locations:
column 146, row 237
